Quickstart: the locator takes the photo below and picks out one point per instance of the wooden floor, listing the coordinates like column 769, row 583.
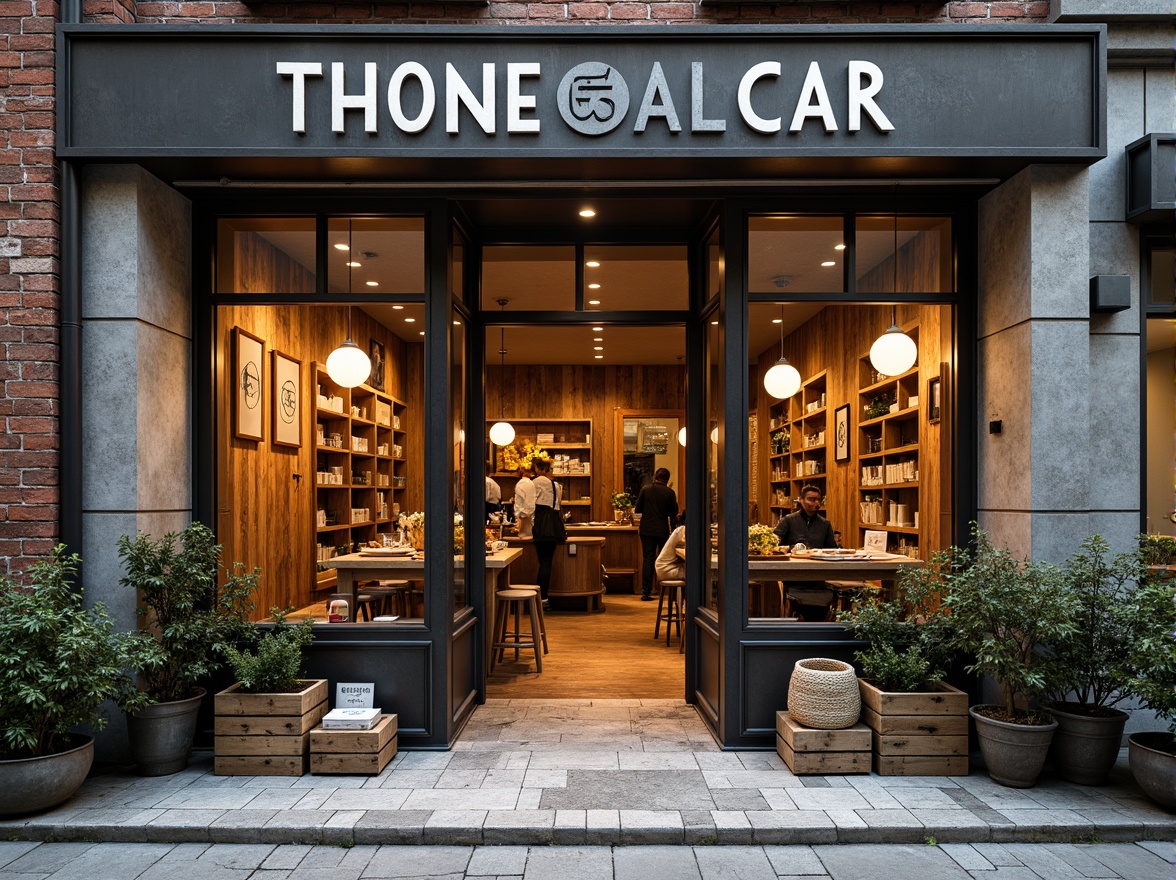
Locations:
column 611, row 654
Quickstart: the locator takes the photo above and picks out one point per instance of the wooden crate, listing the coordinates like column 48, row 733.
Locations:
column 917, row 734
column 807, row 750
column 266, row 734
column 353, row 751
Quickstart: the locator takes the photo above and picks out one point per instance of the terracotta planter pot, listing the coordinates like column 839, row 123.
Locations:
column 30, row 785
column 1085, row 747
column 1013, row 753
column 161, row 735
column 1153, row 764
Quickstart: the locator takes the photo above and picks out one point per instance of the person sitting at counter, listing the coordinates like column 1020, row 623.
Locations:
column 669, row 566
column 809, row 600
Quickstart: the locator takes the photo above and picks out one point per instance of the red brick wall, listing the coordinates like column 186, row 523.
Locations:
column 29, row 227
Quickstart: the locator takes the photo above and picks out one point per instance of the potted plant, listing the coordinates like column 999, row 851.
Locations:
column 1151, row 664
column 622, row 506
column 1091, row 661
column 1003, row 610
column 263, row 722
column 58, row 662
column 920, row 722
column 189, row 617
column 1159, row 552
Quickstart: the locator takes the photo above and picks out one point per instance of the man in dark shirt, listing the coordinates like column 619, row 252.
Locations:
column 808, row 599
column 807, row 526
column 658, row 505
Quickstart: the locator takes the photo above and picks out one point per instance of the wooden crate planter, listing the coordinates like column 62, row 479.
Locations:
column 807, row 750
column 353, row 751
column 917, row 734
column 266, row 734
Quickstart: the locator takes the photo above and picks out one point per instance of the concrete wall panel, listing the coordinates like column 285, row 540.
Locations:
column 110, row 415
column 1004, row 476
column 1061, row 242
column 1061, row 423
column 1160, row 111
column 165, row 261
column 1004, row 257
column 1115, row 467
column 164, row 420
column 1125, row 123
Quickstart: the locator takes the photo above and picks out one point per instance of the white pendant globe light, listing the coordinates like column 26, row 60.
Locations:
column 782, row 380
column 715, row 435
column 893, row 353
column 348, row 365
column 682, row 437
column 502, row 432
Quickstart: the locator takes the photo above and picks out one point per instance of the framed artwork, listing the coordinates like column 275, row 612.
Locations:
column 934, row 399
column 286, row 400
column 249, row 373
column 376, row 353
column 841, row 433
column 874, row 540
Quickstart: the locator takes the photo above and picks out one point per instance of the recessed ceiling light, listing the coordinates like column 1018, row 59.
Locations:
column 597, row 329
column 598, row 348
column 777, row 321
column 594, row 286
column 422, row 333
column 587, row 212
column 838, row 247
column 593, row 264
column 593, row 302
column 599, row 356
column 410, row 320
column 398, row 308
column 598, row 339
column 372, row 283
column 457, row 323
column 354, row 265
column 828, row 263
column 342, row 247
column 714, row 323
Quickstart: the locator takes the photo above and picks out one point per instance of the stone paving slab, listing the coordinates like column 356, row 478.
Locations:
column 664, row 782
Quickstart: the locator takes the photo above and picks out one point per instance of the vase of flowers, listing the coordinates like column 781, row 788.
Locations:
column 622, row 507
column 414, row 524
column 761, row 540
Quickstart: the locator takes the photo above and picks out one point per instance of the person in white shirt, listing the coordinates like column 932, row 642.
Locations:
column 548, row 493
column 493, row 498
column 668, row 565
column 524, row 503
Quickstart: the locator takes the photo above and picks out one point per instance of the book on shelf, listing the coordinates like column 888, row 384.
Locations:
column 351, row 719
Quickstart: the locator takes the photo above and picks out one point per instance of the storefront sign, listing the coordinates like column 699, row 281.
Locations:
column 464, row 92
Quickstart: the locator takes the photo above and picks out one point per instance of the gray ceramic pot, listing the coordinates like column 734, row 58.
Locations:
column 30, row 785
column 1013, row 753
column 1153, row 765
column 161, row 735
column 1085, row 747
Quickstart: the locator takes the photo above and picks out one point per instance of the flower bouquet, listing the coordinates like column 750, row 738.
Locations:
column 761, row 540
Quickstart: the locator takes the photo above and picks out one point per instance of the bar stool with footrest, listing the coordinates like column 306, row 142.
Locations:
column 542, row 622
column 669, row 595
column 515, row 601
column 390, row 597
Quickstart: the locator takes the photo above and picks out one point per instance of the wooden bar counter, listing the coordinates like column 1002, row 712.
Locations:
column 622, row 549
column 575, row 575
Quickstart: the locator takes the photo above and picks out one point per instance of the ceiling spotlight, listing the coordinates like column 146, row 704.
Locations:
column 587, row 212
column 593, row 264
column 828, row 263
column 422, row 333
column 777, row 320
column 594, row 286
column 838, row 247
column 597, row 329
column 410, row 320
column 599, row 356
column 342, row 247
column 354, row 265
column 598, row 348
column 398, row 308
column 598, row 339
column 372, row 283
column 593, row 302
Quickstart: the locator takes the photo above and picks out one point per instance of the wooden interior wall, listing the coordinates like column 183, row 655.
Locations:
column 587, row 392
column 834, row 340
column 265, row 517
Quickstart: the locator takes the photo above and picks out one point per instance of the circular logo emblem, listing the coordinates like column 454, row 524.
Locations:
column 288, row 398
column 593, row 98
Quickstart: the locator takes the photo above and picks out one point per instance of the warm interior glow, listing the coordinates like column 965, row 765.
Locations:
column 782, row 380
column 348, row 365
column 682, row 437
column 502, row 433
column 893, row 353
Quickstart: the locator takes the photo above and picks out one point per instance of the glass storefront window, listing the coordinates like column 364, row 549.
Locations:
column 530, row 277
column 265, row 255
column 372, row 255
column 467, row 524
column 797, row 254
column 714, row 265
column 636, row 278
column 924, row 255
column 714, row 410
column 1161, row 276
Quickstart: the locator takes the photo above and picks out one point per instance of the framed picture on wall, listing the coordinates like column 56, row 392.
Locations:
column 287, row 400
column 249, row 373
column 376, row 353
column 841, row 433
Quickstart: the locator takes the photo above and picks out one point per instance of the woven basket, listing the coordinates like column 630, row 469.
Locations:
column 824, row 694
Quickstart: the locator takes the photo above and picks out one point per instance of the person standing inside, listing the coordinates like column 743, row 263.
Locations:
column 548, row 495
column 658, row 505
column 493, row 498
column 524, row 502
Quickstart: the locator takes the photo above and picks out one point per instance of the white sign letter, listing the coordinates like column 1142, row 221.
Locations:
column 457, row 91
column 814, row 87
column 341, row 101
column 757, row 72
column 516, row 102
column 428, row 97
column 861, row 97
column 300, row 70
column 657, row 89
column 698, row 122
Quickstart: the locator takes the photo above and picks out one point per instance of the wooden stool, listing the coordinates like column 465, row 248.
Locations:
column 612, row 575
column 669, row 595
column 391, row 597
column 515, row 600
column 535, row 588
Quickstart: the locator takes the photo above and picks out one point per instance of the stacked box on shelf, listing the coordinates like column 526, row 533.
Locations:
column 354, row 751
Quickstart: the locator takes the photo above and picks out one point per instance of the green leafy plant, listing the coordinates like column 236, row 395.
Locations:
column 1091, row 658
column 274, row 666
column 879, row 405
column 181, row 604
column 1004, row 610
column 909, row 636
column 1151, row 660
column 621, row 501
column 58, row 660
column 1158, row 549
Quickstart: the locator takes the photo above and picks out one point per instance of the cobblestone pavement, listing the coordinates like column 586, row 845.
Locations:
column 595, row 773
column 230, row 861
